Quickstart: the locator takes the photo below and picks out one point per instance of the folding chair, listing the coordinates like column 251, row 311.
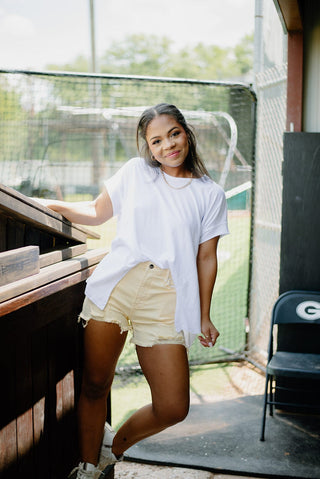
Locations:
column 296, row 359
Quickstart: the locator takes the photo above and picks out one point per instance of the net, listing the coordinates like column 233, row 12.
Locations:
column 63, row 134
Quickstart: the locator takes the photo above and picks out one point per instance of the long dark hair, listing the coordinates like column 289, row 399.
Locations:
column 193, row 162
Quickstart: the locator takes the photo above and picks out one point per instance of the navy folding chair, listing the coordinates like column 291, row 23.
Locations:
column 295, row 361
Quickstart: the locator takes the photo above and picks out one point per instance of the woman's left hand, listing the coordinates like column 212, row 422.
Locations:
column 210, row 334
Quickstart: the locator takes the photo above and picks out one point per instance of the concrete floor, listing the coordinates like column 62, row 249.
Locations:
column 221, row 436
column 131, row 470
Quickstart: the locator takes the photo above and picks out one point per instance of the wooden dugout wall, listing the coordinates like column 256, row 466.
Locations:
column 44, row 263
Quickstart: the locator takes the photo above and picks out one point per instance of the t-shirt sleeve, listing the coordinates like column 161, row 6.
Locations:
column 215, row 220
column 116, row 186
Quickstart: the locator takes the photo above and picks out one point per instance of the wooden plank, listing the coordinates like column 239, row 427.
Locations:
column 70, row 448
column 61, row 255
column 15, row 234
column 24, row 406
column 43, row 339
column 8, row 428
column 40, row 403
column 51, row 273
column 18, row 263
column 8, row 451
column 55, row 355
column 29, row 215
column 28, row 211
column 295, row 82
column 68, row 393
column 3, row 232
column 26, row 299
column 35, row 204
column 290, row 12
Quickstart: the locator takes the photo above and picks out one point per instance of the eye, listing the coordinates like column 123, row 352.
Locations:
column 176, row 133
column 155, row 142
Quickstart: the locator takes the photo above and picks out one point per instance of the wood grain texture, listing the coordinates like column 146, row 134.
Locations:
column 30, row 297
column 18, row 263
column 51, row 273
column 41, row 373
column 19, row 206
column 55, row 256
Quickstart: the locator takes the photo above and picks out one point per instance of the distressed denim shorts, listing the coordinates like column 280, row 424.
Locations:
column 144, row 303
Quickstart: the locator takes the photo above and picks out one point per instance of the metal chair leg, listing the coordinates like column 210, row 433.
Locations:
column 264, row 408
column 271, row 394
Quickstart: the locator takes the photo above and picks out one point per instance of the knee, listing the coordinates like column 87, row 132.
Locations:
column 173, row 414
column 179, row 413
column 95, row 389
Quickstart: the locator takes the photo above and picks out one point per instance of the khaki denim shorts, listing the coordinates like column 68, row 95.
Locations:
column 144, row 303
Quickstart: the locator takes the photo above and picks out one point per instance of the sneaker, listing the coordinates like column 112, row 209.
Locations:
column 107, row 457
column 108, row 436
column 85, row 470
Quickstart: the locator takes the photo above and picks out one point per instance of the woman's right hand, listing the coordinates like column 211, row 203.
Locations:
column 45, row 202
column 89, row 213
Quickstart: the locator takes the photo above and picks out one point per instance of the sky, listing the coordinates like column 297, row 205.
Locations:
column 35, row 33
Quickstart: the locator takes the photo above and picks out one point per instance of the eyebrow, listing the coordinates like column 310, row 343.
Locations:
column 175, row 127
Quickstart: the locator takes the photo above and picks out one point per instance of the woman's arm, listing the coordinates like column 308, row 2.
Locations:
column 89, row 213
column 207, row 265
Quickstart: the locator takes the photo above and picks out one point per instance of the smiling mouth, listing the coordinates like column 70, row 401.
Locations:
column 174, row 153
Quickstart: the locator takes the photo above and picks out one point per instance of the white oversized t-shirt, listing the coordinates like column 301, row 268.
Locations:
column 165, row 226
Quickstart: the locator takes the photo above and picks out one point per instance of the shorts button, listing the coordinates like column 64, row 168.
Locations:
column 151, row 266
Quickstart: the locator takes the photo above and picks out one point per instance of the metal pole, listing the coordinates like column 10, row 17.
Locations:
column 92, row 37
column 258, row 37
column 96, row 145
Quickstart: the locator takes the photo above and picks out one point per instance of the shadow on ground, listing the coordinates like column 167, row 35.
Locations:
column 224, row 437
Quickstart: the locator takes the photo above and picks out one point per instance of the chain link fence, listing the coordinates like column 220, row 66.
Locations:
column 271, row 86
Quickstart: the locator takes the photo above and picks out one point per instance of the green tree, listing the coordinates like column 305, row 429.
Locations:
column 151, row 55
column 137, row 55
column 215, row 63
column 244, row 54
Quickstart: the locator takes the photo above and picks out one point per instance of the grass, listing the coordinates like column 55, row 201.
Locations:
column 128, row 396
column 229, row 301
column 205, row 381
column 107, row 232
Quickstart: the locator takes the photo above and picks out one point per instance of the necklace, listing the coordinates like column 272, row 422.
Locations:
column 175, row 187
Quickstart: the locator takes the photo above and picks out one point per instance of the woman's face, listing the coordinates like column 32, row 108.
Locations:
column 167, row 141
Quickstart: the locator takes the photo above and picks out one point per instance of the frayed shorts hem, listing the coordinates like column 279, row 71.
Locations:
column 124, row 329
column 84, row 322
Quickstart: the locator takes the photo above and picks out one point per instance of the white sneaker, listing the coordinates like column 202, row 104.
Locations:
column 107, row 457
column 85, row 470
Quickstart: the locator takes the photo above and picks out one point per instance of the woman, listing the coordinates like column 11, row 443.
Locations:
column 156, row 282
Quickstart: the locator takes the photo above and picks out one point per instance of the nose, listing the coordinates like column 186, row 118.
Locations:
column 169, row 143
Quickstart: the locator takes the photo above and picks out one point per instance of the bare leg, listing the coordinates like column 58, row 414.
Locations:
column 103, row 344
column 167, row 372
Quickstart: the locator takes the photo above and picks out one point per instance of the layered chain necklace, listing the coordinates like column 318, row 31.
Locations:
column 175, row 187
